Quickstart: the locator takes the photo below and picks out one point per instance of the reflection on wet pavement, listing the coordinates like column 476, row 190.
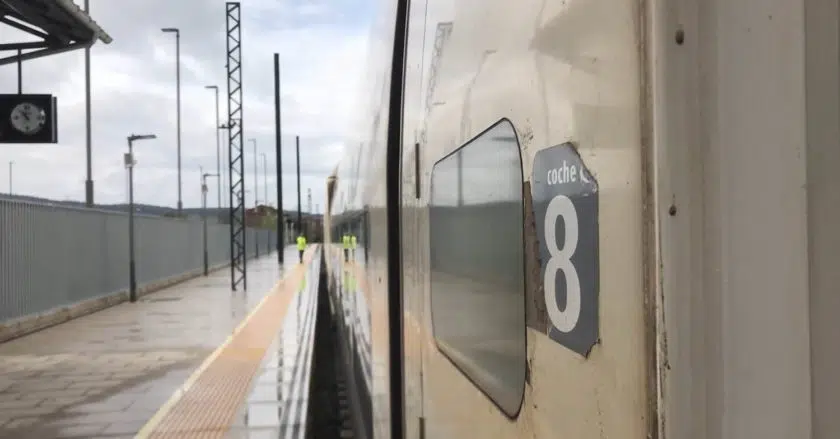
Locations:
column 280, row 392
column 106, row 374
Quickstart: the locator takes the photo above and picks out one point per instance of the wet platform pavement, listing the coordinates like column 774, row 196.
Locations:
column 278, row 397
column 108, row 373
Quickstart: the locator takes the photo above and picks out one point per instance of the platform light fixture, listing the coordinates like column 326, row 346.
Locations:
column 218, row 145
column 129, row 163
column 177, row 33
column 204, row 176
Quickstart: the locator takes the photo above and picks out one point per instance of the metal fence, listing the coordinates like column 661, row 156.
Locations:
column 53, row 256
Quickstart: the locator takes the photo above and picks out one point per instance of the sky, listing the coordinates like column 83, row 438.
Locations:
column 322, row 46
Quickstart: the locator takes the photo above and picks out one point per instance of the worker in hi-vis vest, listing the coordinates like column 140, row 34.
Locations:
column 353, row 246
column 301, row 245
column 345, row 241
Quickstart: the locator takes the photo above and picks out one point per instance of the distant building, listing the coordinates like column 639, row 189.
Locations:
column 261, row 216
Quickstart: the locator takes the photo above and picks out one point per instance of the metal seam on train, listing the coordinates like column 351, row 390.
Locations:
column 393, row 199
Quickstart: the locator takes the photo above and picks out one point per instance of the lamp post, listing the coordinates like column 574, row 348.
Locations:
column 297, row 153
column 177, row 102
column 225, row 175
column 204, row 216
column 278, row 157
column 218, row 146
column 256, row 195
column 129, row 163
column 88, row 141
column 265, row 195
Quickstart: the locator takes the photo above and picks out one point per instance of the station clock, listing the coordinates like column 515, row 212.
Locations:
column 28, row 118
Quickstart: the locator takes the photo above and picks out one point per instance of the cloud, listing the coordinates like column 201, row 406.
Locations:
column 322, row 46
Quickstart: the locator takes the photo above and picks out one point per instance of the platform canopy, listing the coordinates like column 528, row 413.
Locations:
column 60, row 25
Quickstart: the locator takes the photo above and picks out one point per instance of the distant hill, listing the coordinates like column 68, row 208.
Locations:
column 143, row 209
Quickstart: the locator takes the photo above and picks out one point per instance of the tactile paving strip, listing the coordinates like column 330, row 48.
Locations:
column 208, row 405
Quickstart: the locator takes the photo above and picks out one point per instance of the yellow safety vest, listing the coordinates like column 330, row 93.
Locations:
column 351, row 283
column 301, row 242
column 346, row 241
column 353, row 242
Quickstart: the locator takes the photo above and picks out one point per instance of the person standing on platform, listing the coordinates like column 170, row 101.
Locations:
column 353, row 246
column 345, row 241
column 301, row 245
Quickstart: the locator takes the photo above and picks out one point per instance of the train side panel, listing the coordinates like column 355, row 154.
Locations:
column 358, row 207
column 548, row 73
column 716, row 244
column 746, row 128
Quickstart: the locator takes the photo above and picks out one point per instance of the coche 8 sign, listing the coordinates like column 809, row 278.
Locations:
column 565, row 202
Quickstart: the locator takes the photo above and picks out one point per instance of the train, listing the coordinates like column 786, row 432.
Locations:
column 592, row 219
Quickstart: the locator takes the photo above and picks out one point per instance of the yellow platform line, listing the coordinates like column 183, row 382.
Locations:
column 204, row 406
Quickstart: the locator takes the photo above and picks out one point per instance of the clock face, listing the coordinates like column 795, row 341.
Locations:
column 28, row 118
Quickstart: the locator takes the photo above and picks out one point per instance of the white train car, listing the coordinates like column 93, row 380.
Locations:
column 594, row 219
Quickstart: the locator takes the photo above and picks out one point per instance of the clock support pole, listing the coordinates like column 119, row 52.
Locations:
column 20, row 72
column 238, row 253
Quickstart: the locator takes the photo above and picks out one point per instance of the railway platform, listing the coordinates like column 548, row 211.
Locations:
column 193, row 360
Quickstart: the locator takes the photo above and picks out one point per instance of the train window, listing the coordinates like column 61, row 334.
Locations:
column 477, row 263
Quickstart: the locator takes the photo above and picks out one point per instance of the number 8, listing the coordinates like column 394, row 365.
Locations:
column 561, row 259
